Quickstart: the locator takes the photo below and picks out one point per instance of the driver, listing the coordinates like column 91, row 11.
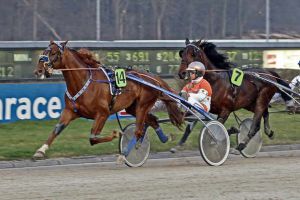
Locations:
column 294, row 84
column 198, row 93
column 296, row 81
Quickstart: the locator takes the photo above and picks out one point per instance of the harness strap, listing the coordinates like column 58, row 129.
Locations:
column 86, row 85
column 112, row 102
column 109, row 82
column 233, row 87
column 193, row 46
column 79, row 93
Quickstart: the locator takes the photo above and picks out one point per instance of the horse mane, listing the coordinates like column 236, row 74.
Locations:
column 87, row 57
column 219, row 60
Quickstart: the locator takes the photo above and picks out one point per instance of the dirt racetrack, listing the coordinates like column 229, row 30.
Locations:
column 269, row 177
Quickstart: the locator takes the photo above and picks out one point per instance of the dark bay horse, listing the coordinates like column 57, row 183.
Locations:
column 253, row 95
column 88, row 94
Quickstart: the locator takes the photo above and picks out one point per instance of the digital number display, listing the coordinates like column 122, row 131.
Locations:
column 166, row 62
column 250, row 58
column 161, row 62
column 7, row 71
column 156, row 61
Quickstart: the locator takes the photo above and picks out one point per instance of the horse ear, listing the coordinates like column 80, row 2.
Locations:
column 187, row 41
column 64, row 43
column 51, row 41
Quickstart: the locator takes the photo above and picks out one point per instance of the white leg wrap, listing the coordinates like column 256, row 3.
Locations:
column 44, row 148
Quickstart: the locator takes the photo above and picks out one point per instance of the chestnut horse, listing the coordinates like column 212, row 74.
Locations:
column 88, row 94
column 253, row 95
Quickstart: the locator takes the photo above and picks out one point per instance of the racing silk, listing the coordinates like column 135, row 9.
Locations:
column 199, row 92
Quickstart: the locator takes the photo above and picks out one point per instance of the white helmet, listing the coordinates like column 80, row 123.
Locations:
column 196, row 65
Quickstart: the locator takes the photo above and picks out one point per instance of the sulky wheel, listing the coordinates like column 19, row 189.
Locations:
column 214, row 143
column 138, row 154
column 254, row 145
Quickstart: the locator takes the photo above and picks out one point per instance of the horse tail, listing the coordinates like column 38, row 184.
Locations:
column 284, row 83
column 175, row 114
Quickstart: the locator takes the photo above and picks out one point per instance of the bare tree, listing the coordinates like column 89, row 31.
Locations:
column 224, row 19
column 190, row 22
column 43, row 20
column 120, row 8
column 34, row 21
column 240, row 20
column 159, row 7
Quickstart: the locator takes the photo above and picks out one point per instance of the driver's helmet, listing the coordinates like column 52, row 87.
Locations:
column 197, row 67
column 299, row 63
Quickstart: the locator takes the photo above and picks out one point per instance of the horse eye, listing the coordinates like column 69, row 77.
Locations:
column 195, row 53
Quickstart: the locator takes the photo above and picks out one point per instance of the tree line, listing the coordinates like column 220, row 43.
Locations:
column 146, row 19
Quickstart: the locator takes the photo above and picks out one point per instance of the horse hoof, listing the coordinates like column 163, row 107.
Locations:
column 115, row 134
column 233, row 130
column 120, row 160
column 177, row 148
column 39, row 155
column 93, row 141
column 173, row 150
column 271, row 135
column 241, row 147
column 172, row 137
column 234, row 151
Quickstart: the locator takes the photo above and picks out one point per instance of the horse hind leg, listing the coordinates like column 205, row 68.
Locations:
column 267, row 129
column 151, row 120
column 97, row 128
column 222, row 117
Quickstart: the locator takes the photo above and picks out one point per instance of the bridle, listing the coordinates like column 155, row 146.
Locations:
column 45, row 58
column 196, row 52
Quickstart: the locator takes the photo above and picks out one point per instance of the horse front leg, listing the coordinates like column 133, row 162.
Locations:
column 66, row 117
column 97, row 128
column 255, row 126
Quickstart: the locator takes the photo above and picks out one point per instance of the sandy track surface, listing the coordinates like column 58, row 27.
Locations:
column 272, row 177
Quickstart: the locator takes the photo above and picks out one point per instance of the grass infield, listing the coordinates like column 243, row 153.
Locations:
column 21, row 139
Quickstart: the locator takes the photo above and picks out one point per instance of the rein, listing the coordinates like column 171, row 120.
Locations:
column 75, row 69
column 207, row 70
column 147, row 77
column 78, row 69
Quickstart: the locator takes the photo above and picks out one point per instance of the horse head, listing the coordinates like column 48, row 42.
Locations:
column 50, row 59
column 192, row 52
